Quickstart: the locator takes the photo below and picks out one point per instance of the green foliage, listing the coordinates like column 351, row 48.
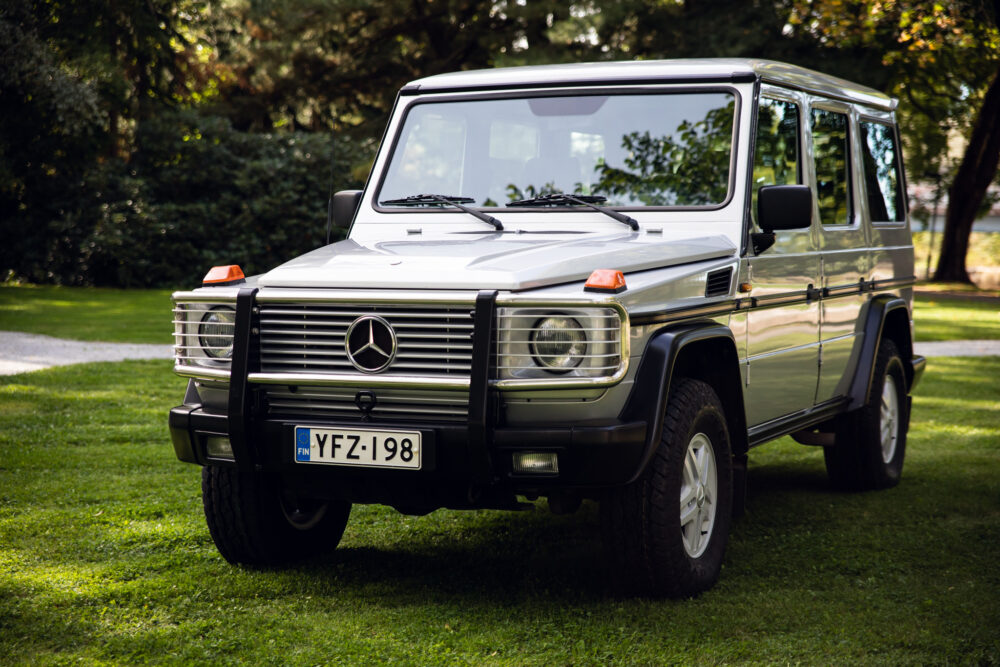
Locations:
column 314, row 64
column 106, row 559
column 196, row 193
column 50, row 135
column 203, row 194
column 690, row 168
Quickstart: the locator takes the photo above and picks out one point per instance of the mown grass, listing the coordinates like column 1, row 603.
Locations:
column 938, row 316
column 87, row 313
column 105, row 557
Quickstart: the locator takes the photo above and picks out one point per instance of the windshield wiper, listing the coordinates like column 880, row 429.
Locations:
column 457, row 202
column 590, row 201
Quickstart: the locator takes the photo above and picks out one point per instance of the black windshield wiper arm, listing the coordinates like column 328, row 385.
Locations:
column 457, row 202
column 590, row 201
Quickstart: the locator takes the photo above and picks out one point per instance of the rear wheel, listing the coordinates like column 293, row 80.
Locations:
column 253, row 520
column 666, row 533
column 871, row 441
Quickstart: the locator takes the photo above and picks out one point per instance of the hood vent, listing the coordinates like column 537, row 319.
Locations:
column 717, row 283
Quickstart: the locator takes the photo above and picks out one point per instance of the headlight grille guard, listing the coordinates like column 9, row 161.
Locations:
column 190, row 358
column 611, row 346
column 189, row 307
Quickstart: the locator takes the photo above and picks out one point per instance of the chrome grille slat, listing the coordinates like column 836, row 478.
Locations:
column 310, row 337
column 354, row 314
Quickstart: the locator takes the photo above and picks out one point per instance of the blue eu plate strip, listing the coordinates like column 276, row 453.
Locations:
column 302, row 436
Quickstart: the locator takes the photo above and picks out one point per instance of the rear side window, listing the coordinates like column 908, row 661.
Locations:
column 880, row 158
column 830, row 150
column 776, row 157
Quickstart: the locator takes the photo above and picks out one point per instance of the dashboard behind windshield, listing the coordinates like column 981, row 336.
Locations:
column 637, row 150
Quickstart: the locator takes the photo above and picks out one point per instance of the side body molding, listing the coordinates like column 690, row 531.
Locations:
column 702, row 350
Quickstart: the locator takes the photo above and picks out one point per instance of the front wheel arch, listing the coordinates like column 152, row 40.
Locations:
column 704, row 351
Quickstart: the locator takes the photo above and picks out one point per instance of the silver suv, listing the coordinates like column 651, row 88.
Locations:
column 600, row 281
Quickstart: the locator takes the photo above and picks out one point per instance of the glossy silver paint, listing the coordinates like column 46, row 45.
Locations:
column 490, row 260
column 793, row 353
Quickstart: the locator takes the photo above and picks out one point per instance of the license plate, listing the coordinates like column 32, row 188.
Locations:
column 358, row 447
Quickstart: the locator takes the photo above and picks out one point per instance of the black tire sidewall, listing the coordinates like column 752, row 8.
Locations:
column 245, row 518
column 883, row 474
column 702, row 571
column 855, row 462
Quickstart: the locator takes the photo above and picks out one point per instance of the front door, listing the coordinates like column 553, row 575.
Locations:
column 783, row 327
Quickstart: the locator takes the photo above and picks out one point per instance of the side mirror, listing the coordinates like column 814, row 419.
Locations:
column 784, row 207
column 345, row 205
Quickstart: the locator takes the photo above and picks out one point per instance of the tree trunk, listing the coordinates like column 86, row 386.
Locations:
column 965, row 196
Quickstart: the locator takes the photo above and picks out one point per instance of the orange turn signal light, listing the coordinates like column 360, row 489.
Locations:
column 224, row 275
column 606, row 280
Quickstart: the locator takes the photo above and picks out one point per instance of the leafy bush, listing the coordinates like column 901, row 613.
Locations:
column 196, row 193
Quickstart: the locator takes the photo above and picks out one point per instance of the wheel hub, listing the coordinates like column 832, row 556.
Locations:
column 889, row 418
column 699, row 485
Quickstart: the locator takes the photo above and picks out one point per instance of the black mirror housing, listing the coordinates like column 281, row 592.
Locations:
column 345, row 206
column 784, row 207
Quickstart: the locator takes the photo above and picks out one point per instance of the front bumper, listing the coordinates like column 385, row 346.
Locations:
column 590, row 455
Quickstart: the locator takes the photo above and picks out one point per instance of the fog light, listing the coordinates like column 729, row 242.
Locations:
column 218, row 447
column 536, row 463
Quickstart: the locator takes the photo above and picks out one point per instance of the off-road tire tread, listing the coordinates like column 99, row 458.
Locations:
column 640, row 526
column 248, row 527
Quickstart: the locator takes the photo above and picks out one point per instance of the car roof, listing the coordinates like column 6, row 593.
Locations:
column 704, row 70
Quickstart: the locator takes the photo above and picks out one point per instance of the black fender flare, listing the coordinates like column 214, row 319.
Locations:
column 651, row 388
column 884, row 311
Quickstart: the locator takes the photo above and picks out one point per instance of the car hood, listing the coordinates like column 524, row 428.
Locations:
column 502, row 261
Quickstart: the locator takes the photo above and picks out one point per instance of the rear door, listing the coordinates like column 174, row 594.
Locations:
column 844, row 255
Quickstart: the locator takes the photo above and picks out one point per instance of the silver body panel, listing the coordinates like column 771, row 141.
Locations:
column 793, row 352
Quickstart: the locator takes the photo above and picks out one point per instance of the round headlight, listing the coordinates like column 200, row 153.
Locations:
column 215, row 332
column 558, row 344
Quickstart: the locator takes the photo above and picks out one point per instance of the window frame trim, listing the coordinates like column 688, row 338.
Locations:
column 865, row 116
column 777, row 95
column 854, row 214
column 657, row 88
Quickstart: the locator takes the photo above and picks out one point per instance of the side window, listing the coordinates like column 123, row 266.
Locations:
column 830, row 151
column 776, row 158
column 880, row 158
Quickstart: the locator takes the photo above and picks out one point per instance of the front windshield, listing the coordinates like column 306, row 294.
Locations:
column 663, row 149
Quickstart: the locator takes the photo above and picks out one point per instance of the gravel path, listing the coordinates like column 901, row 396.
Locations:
column 23, row 352
column 959, row 348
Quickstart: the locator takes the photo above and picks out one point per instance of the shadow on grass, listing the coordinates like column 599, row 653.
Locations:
column 502, row 558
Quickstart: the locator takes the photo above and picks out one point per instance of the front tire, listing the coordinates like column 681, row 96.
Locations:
column 254, row 521
column 871, row 441
column 666, row 533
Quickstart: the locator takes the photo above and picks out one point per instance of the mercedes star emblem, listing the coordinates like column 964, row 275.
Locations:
column 370, row 344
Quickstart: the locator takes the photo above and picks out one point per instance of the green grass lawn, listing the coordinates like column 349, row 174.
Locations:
column 105, row 557
column 944, row 317
column 115, row 315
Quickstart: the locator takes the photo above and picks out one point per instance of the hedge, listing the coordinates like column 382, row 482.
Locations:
column 195, row 193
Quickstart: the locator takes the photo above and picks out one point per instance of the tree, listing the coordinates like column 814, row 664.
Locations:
column 50, row 135
column 317, row 64
column 944, row 65
column 940, row 59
